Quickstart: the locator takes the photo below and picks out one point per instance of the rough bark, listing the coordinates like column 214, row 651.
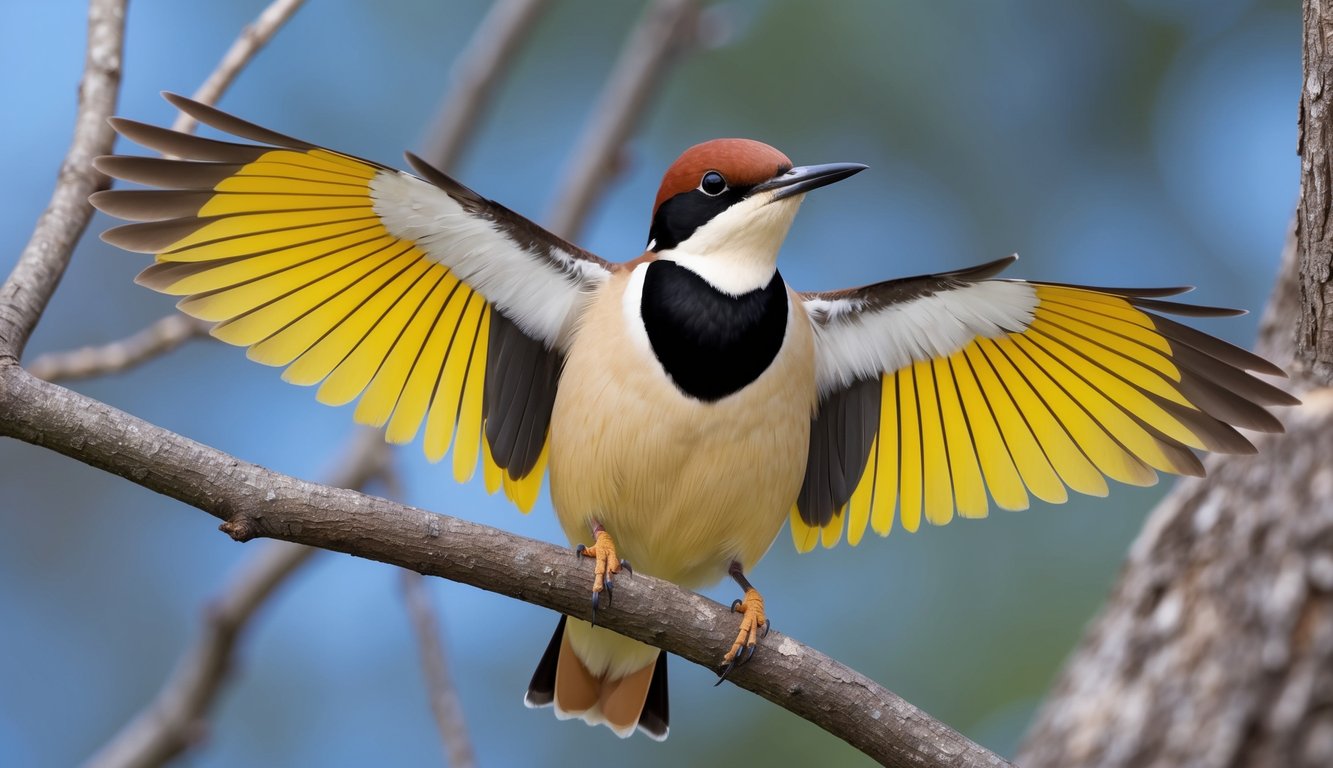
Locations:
column 1313, row 234
column 1216, row 647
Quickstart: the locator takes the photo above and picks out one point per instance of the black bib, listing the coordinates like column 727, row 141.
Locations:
column 709, row 342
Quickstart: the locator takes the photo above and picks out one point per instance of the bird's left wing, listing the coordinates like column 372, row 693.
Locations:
column 936, row 390
column 436, row 307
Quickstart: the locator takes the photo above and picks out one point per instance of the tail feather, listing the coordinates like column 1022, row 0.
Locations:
column 621, row 701
column 577, row 690
column 655, row 720
column 541, row 690
column 634, row 700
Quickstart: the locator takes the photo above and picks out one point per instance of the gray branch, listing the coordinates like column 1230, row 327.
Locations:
column 256, row 502
column 24, row 295
column 444, row 701
column 486, row 59
column 177, row 718
column 158, row 338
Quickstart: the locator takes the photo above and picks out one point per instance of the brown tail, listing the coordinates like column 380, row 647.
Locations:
column 638, row 699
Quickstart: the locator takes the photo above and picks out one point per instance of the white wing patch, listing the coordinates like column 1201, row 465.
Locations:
column 538, row 292
column 853, row 344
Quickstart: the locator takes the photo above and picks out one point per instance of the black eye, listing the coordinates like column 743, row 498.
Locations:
column 713, row 184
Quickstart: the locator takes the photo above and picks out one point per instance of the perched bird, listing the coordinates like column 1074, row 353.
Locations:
column 687, row 402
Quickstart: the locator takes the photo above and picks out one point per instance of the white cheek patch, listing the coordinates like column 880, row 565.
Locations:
column 737, row 250
column 539, row 291
column 853, row 343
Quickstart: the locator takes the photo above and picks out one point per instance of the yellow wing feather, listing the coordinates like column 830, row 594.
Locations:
column 886, row 477
column 1093, row 388
column 288, row 256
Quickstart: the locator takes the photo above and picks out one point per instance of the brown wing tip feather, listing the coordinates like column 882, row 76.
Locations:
column 439, row 178
column 984, row 271
column 216, row 118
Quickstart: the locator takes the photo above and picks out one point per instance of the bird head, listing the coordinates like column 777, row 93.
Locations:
column 724, row 208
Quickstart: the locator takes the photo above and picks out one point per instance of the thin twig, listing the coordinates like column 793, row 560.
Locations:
column 168, row 333
column 254, row 501
column 177, row 718
column 666, row 27
column 444, row 700
column 478, row 68
column 251, row 40
column 162, row 336
column 24, row 295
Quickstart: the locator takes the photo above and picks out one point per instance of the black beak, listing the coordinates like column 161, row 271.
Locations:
column 800, row 180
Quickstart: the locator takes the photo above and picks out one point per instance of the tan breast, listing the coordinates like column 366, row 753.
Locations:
column 683, row 486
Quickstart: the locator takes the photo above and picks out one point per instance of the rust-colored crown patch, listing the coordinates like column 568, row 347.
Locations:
column 743, row 162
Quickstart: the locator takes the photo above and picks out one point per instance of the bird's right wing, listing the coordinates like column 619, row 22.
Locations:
column 434, row 306
column 937, row 391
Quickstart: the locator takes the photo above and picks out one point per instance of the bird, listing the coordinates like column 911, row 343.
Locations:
column 685, row 403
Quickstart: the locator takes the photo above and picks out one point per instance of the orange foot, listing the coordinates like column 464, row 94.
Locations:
column 754, row 625
column 608, row 565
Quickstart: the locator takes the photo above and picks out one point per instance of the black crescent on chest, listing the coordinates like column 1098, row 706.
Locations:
column 709, row 342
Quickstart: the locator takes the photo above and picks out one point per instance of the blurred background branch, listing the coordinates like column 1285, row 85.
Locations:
column 177, row 718
column 159, row 338
column 665, row 29
column 24, row 295
column 444, row 700
column 487, row 57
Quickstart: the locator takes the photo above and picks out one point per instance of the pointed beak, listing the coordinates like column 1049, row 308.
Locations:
column 802, row 179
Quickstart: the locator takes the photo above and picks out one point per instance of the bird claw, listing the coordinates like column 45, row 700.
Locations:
column 607, row 566
column 753, row 627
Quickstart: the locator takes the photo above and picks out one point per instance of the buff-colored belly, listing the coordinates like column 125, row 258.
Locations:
column 683, row 487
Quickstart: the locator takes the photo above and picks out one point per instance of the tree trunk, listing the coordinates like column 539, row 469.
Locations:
column 1216, row 647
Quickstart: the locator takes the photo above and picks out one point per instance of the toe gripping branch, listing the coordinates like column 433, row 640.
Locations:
column 608, row 564
column 754, row 625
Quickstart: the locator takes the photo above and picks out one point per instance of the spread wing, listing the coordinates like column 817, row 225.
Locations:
column 940, row 391
column 441, row 311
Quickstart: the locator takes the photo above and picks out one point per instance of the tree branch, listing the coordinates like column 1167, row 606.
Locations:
column 250, row 42
column 665, row 27
column 176, row 719
column 486, row 59
column 167, row 333
column 162, row 336
column 254, row 501
column 24, row 295
column 444, row 701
